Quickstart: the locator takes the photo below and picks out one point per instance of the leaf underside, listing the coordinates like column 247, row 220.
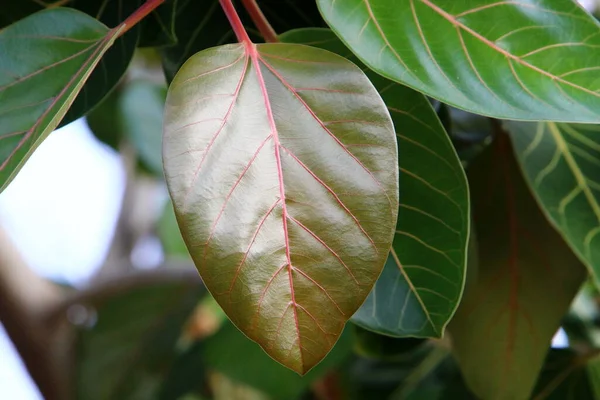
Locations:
column 522, row 60
column 526, row 280
column 281, row 163
column 37, row 86
column 560, row 163
column 423, row 278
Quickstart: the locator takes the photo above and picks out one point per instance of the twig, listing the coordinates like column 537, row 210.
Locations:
column 261, row 22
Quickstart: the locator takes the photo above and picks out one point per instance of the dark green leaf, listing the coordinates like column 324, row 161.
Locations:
column 232, row 354
column 202, row 24
column 372, row 345
column 526, row 279
column 567, row 375
column 288, row 236
column 132, row 344
column 158, row 29
column 115, row 61
column 422, row 282
column 562, row 165
column 102, row 122
column 525, row 60
column 37, row 86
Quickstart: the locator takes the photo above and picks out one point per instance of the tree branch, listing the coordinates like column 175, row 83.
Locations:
column 24, row 298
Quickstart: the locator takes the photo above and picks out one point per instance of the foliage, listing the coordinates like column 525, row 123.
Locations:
column 394, row 199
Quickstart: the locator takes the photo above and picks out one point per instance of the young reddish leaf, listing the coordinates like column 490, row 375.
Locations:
column 281, row 161
column 44, row 61
column 526, row 278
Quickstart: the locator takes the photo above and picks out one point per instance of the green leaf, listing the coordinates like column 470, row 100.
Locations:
column 135, row 324
column 526, row 279
column 562, row 165
column 288, row 235
column 158, row 28
column 422, row 281
column 115, row 61
column 170, row 235
column 202, row 24
column 38, row 86
column 567, row 375
column 232, row 354
column 141, row 108
column 134, row 113
column 525, row 60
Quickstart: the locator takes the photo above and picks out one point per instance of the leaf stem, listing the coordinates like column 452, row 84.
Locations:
column 138, row 15
column 261, row 22
column 236, row 22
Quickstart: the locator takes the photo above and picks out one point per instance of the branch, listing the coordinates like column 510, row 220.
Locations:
column 261, row 22
column 24, row 298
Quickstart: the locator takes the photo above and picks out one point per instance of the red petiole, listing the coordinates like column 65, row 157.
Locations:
column 138, row 15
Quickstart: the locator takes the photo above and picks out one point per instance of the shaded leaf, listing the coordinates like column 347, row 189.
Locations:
column 372, row 345
column 527, row 278
column 134, row 113
column 37, row 86
column 132, row 341
column 538, row 60
column 288, row 236
column 170, row 235
column 202, row 24
column 567, row 375
column 141, row 108
column 232, row 354
column 158, row 28
column 422, row 282
column 562, row 165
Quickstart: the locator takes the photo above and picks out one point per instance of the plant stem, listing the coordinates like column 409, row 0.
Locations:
column 138, row 15
column 236, row 22
column 261, row 22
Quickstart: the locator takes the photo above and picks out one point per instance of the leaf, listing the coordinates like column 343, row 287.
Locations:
column 38, row 86
column 202, row 24
column 131, row 343
column 115, row 61
column 525, row 60
column 526, row 279
column 419, row 298
column 141, row 118
column 134, row 113
column 288, row 236
column 562, row 167
column 158, row 28
column 567, row 375
column 226, row 348
column 170, row 235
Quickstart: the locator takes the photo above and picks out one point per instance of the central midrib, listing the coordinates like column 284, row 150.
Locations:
column 277, row 145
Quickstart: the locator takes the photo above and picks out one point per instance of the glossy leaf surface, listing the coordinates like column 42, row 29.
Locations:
column 560, row 162
column 526, row 279
column 281, row 163
column 523, row 60
column 422, row 282
column 38, row 86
